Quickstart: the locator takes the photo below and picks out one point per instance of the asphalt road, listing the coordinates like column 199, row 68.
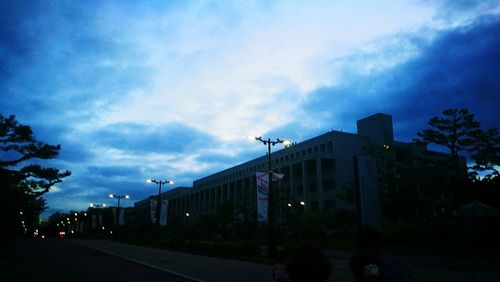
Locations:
column 98, row 260
column 61, row 260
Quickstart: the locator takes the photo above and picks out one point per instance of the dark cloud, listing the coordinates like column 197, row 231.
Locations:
column 458, row 69
column 137, row 137
column 66, row 65
column 113, row 171
column 450, row 6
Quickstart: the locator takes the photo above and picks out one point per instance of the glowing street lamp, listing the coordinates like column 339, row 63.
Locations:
column 119, row 197
column 158, row 202
column 271, row 246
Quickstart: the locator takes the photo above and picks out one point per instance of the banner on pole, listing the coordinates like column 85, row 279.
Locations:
column 262, row 195
column 121, row 217
column 152, row 205
column 163, row 211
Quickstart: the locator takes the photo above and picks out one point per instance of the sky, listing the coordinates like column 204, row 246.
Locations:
column 133, row 90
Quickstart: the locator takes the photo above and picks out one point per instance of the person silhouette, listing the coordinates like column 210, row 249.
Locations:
column 371, row 263
column 308, row 263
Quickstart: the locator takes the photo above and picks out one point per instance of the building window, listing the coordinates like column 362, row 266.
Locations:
column 329, row 205
column 322, row 147
column 300, row 190
column 314, row 206
column 316, row 149
column 329, row 146
column 313, row 188
column 328, row 185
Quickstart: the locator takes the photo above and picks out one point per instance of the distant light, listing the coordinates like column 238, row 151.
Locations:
column 76, row 214
column 302, row 203
column 252, row 138
column 72, row 232
column 170, row 182
column 103, row 228
column 187, row 214
column 149, row 180
column 91, row 205
column 289, row 204
column 287, row 142
column 126, row 197
column 85, row 214
column 103, row 205
column 111, row 195
column 43, row 236
column 20, row 212
column 111, row 232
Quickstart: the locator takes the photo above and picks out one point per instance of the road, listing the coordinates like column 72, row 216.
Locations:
column 61, row 260
column 99, row 260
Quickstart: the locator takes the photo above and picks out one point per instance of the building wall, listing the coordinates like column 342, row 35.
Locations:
column 316, row 172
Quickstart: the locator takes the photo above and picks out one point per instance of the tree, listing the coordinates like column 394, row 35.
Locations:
column 22, row 184
column 454, row 131
column 485, row 152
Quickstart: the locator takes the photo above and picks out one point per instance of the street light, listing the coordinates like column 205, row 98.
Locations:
column 271, row 246
column 119, row 197
column 158, row 202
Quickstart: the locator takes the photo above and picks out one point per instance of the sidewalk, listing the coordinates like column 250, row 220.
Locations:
column 440, row 269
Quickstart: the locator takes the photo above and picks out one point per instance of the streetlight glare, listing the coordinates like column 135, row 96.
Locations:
column 111, row 195
column 149, row 180
column 287, row 142
column 171, row 182
column 127, row 196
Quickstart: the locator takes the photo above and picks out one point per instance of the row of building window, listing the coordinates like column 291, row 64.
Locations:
column 328, row 146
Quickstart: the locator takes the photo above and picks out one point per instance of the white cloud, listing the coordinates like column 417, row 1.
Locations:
column 217, row 69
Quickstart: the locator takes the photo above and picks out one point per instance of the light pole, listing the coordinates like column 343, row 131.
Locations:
column 271, row 246
column 119, row 197
column 158, row 202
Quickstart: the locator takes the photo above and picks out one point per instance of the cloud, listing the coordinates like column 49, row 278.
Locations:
column 458, row 68
column 147, row 138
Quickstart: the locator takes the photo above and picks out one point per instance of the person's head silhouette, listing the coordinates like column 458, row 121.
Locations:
column 308, row 263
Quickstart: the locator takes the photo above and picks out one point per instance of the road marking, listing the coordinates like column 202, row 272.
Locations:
column 139, row 262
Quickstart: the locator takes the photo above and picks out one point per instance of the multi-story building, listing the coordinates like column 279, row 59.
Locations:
column 317, row 172
column 319, row 175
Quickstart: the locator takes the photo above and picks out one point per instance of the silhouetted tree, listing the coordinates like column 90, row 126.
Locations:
column 454, row 131
column 485, row 152
column 22, row 184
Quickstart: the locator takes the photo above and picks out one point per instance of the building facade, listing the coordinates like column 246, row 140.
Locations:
column 317, row 174
column 330, row 172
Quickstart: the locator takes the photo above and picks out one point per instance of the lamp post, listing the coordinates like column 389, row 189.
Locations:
column 271, row 246
column 158, row 202
column 119, row 197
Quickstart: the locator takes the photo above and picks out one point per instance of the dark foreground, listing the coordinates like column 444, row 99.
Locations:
column 99, row 260
column 60, row 260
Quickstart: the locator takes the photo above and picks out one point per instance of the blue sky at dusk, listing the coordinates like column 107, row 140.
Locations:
column 171, row 89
